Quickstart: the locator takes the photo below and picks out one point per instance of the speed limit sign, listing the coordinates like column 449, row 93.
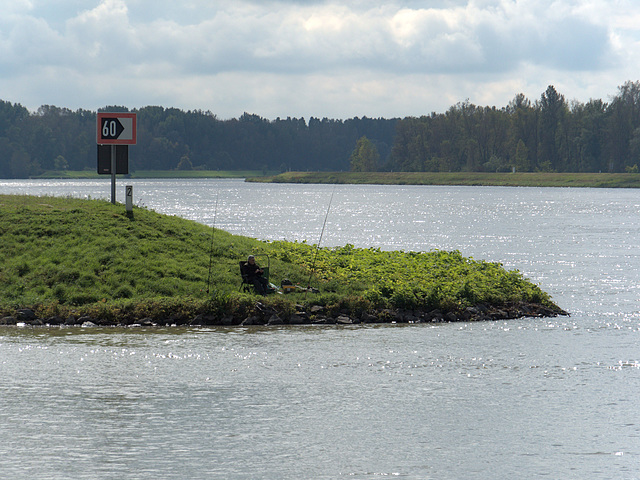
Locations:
column 116, row 128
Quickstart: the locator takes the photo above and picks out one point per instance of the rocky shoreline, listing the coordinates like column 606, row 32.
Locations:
column 316, row 315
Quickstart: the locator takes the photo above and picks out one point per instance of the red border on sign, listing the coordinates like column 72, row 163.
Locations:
column 108, row 141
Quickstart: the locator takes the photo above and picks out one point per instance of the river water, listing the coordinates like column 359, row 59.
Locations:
column 530, row 398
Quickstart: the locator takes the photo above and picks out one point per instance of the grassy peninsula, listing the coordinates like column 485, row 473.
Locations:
column 70, row 261
column 537, row 179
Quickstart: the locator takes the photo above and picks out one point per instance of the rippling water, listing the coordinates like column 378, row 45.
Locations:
column 529, row 398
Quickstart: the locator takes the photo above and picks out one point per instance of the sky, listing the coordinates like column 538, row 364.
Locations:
column 313, row 58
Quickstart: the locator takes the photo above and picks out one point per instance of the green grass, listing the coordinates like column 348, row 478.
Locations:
column 65, row 256
column 195, row 173
column 413, row 280
column 81, row 174
column 69, row 174
column 539, row 179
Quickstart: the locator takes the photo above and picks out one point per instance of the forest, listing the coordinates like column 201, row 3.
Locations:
column 55, row 138
column 547, row 134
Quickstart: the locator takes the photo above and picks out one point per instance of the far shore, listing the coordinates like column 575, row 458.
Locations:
column 516, row 179
column 163, row 174
column 535, row 179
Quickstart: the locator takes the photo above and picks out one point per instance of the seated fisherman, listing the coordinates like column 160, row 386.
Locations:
column 254, row 274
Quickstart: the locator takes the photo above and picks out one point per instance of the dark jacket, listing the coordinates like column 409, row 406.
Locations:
column 252, row 271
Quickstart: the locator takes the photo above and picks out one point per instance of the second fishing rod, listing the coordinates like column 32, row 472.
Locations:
column 313, row 266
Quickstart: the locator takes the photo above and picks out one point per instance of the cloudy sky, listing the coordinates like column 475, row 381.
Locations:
column 303, row 58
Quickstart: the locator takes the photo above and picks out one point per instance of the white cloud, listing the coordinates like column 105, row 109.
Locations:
column 321, row 58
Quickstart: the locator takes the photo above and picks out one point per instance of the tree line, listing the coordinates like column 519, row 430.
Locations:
column 54, row 138
column 549, row 134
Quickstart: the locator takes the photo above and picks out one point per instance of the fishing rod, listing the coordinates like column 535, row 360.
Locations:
column 313, row 266
column 213, row 231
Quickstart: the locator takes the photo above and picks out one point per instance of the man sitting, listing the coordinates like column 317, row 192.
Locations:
column 254, row 276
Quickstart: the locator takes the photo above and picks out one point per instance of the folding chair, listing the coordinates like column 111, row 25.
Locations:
column 246, row 285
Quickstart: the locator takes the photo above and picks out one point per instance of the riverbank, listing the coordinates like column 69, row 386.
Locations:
column 82, row 262
column 538, row 179
column 263, row 315
column 143, row 174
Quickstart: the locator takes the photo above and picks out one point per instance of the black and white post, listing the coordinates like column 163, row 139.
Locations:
column 115, row 129
column 128, row 198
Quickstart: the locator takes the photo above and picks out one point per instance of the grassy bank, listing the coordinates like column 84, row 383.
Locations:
column 81, row 174
column 539, row 179
column 64, row 258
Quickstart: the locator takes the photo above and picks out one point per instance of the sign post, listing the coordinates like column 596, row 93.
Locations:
column 115, row 129
column 128, row 198
column 113, row 174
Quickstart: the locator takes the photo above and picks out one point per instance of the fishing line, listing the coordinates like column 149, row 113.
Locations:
column 213, row 231
column 313, row 266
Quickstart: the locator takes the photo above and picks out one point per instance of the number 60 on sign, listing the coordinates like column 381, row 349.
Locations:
column 116, row 128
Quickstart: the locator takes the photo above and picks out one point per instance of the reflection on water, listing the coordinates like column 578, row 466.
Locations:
column 449, row 401
column 529, row 398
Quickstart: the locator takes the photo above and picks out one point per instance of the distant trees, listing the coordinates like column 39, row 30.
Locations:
column 552, row 129
column 60, row 163
column 185, row 163
column 549, row 134
column 170, row 138
column 365, row 156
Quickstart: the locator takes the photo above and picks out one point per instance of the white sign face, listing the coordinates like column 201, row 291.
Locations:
column 116, row 128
